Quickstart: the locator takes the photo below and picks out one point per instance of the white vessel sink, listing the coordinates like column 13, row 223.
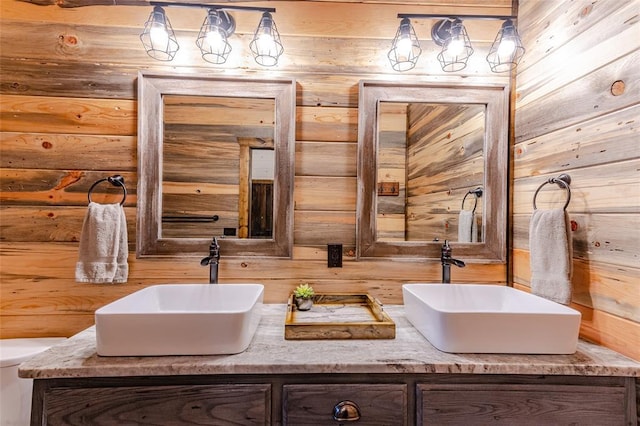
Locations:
column 180, row 319
column 476, row 318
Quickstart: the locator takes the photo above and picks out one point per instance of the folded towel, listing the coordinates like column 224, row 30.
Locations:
column 550, row 248
column 467, row 231
column 103, row 245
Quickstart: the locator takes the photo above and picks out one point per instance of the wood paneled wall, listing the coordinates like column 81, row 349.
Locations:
column 68, row 118
column 577, row 110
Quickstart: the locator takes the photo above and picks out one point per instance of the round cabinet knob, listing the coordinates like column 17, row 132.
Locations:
column 346, row 411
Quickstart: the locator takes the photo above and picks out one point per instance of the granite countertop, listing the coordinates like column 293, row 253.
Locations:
column 270, row 353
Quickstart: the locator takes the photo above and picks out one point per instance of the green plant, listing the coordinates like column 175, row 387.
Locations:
column 304, row 291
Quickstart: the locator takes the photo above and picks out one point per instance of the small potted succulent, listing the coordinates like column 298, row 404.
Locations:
column 303, row 297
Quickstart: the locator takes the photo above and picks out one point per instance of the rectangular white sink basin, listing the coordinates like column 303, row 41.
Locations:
column 180, row 319
column 476, row 318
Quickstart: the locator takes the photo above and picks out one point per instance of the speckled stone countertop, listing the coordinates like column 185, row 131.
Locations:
column 270, row 353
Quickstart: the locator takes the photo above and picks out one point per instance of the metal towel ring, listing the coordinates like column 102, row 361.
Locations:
column 477, row 192
column 563, row 181
column 115, row 180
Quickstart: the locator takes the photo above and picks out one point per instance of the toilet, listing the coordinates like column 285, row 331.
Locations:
column 15, row 393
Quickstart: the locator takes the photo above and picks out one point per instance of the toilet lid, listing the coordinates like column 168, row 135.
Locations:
column 16, row 351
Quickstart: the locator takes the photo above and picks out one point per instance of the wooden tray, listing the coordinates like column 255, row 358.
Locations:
column 339, row 316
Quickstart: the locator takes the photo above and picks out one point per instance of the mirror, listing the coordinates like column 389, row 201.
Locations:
column 420, row 145
column 208, row 152
column 218, row 167
column 432, row 166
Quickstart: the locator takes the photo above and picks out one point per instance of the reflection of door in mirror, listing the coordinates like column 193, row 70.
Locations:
column 211, row 170
column 433, row 154
column 261, row 190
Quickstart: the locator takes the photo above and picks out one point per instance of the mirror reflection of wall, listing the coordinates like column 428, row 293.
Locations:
column 429, row 156
column 217, row 167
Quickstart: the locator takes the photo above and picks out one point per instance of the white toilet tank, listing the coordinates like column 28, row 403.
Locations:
column 15, row 393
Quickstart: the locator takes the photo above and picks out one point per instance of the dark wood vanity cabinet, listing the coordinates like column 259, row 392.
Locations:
column 298, row 400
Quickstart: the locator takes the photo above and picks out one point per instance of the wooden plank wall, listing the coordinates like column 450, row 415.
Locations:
column 577, row 109
column 68, row 118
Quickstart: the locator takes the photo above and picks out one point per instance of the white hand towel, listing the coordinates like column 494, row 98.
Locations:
column 551, row 254
column 103, row 245
column 467, row 231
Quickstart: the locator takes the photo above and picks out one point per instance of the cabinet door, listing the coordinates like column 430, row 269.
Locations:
column 242, row 404
column 522, row 404
column 378, row 404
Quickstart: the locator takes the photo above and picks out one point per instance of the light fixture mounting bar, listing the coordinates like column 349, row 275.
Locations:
column 453, row 16
column 213, row 6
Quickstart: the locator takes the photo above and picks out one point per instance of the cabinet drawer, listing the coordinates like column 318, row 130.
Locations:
column 379, row 404
column 520, row 404
column 242, row 404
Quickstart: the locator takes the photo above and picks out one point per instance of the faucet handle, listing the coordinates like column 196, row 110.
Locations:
column 446, row 249
column 214, row 247
column 458, row 263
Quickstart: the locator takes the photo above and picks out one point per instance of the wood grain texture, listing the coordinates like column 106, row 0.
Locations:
column 197, row 404
column 67, row 115
column 380, row 404
column 587, row 97
column 68, row 151
column 47, row 187
column 610, row 138
column 592, row 34
column 321, row 159
column 520, row 404
column 599, row 285
column 572, row 122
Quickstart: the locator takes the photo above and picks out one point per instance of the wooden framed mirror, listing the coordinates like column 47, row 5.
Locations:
column 424, row 151
column 215, row 159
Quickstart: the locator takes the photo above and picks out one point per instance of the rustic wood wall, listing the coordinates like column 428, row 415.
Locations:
column 68, row 112
column 577, row 109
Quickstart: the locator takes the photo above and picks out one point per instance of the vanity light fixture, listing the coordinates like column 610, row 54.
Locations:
column 160, row 41
column 450, row 33
column 507, row 49
column 405, row 49
column 212, row 38
column 158, row 37
column 456, row 46
column 266, row 45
